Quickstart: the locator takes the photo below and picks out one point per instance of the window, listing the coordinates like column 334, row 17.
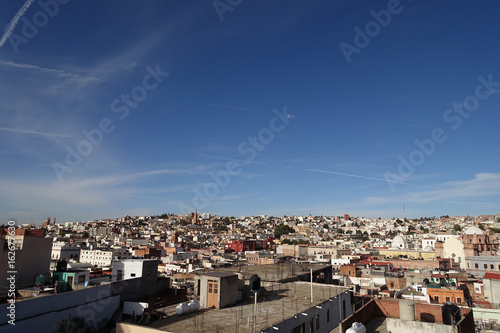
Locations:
column 328, row 315
column 436, row 298
column 447, row 299
column 476, row 265
column 492, row 266
column 317, row 322
column 311, row 325
column 132, row 274
column 459, row 300
column 485, row 266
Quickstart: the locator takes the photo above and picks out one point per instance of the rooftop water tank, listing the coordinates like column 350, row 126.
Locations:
column 193, row 305
column 451, row 312
column 254, row 283
column 356, row 328
column 182, row 308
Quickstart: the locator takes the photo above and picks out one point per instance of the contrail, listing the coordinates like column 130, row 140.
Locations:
column 15, row 130
column 372, row 178
column 14, row 21
column 37, row 68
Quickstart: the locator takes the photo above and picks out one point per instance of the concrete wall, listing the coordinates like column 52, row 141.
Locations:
column 492, row 290
column 32, row 260
column 42, row 314
column 486, row 315
column 129, row 328
column 407, row 326
column 331, row 306
column 228, row 291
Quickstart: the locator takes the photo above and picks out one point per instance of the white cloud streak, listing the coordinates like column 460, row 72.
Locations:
column 56, row 72
column 14, row 21
column 371, row 178
column 26, row 131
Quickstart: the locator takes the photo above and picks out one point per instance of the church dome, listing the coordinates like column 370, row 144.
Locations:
column 473, row 231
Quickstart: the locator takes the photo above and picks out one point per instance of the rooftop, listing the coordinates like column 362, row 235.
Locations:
column 279, row 302
column 274, row 272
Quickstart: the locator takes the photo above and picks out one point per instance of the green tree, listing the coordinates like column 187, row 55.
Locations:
column 457, row 227
column 282, row 229
column 75, row 324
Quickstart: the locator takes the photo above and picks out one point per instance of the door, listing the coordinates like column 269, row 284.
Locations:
column 213, row 294
column 69, row 282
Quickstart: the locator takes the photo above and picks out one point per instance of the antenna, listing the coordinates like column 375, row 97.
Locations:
column 404, row 211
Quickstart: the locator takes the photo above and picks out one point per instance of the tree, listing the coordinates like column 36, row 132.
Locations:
column 282, row 229
column 457, row 227
column 340, row 231
column 75, row 324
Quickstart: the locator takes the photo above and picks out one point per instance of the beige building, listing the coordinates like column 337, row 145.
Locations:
column 30, row 258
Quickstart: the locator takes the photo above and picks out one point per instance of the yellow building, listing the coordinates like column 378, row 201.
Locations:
column 411, row 254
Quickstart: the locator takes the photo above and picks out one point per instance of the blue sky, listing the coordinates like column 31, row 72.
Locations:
column 330, row 130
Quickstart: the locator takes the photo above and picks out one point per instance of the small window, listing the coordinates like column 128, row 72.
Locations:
column 492, row 266
column 328, row 315
column 459, row 300
column 436, row 298
column 317, row 322
column 447, row 299
column 476, row 265
column 485, row 266
column 132, row 274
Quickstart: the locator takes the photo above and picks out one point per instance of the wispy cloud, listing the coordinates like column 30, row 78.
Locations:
column 57, row 72
column 14, row 21
column 27, row 131
column 245, row 162
column 371, row 178
column 234, row 108
column 482, row 185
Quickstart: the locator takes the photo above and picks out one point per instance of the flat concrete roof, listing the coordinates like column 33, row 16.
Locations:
column 219, row 274
column 278, row 303
column 274, row 272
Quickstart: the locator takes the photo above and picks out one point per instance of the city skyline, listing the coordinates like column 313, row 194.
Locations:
column 321, row 108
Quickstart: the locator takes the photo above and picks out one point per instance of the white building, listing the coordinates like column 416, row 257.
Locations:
column 103, row 258
column 399, row 243
column 134, row 268
column 62, row 250
column 428, row 244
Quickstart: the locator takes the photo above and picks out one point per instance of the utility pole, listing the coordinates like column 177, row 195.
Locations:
column 311, row 285
column 255, row 314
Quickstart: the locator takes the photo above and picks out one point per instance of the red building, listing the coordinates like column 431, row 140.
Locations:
column 246, row 245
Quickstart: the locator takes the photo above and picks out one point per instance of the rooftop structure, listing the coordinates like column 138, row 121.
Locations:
column 283, row 308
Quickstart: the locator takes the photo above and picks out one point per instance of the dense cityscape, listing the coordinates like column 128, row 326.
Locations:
column 231, row 166
column 175, row 264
